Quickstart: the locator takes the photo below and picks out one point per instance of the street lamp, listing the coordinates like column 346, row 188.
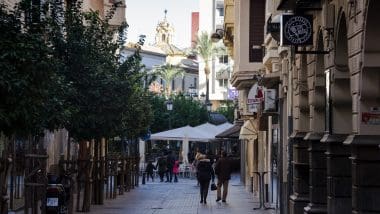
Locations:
column 192, row 91
column 208, row 106
column 203, row 95
column 169, row 107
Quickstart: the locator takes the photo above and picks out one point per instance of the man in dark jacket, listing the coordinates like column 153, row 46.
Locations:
column 162, row 167
column 149, row 171
column 170, row 160
column 223, row 172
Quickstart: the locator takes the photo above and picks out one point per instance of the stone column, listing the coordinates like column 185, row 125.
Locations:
column 365, row 156
column 338, row 174
column 300, row 197
column 317, row 174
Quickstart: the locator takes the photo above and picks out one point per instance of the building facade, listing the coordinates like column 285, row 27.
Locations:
column 327, row 97
column 211, row 18
column 164, row 52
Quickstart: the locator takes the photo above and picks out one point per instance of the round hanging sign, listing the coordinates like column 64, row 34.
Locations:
column 297, row 30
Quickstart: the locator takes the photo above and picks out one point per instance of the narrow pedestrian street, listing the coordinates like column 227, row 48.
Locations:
column 179, row 198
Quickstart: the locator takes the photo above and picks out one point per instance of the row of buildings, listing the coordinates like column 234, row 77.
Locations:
column 307, row 72
column 209, row 18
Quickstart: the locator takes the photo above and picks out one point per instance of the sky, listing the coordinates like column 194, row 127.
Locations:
column 144, row 15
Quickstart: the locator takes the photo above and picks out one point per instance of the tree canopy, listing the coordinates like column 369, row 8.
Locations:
column 185, row 111
column 168, row 73
column 60, row 68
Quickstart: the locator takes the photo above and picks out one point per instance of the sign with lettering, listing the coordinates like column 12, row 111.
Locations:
column 297, row 30
column 370, row 118
column 233, row 94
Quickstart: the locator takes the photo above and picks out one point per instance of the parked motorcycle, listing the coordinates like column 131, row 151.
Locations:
column 56, row 196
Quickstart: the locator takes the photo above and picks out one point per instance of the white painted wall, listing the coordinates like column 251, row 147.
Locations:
column 206, row 11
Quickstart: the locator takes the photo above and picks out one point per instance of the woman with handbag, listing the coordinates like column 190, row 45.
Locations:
column 205, row 174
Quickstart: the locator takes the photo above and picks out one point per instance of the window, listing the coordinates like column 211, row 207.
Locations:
column 256, row 29
column 223, row 59
column 220, row 11
column 223, row 83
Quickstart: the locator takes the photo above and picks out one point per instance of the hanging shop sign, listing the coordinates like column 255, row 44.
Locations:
column 255, row 98
column 297, row 30
column 270, row 100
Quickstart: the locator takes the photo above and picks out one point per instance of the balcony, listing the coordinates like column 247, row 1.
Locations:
column 299, row 5
column 229, row 19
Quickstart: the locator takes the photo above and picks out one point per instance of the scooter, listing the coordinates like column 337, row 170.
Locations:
column 56, row 197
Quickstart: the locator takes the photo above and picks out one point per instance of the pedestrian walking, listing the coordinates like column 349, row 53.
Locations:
column 176, row 171
column 161, row 167
column 170, row 159
column 195, row 164
column 205, row 174
column 223, row 170
column 149, row 171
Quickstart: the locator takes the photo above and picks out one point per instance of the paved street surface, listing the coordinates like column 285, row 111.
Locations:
column 179, row 198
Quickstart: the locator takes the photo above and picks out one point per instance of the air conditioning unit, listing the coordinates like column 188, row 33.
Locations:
column 270, row 100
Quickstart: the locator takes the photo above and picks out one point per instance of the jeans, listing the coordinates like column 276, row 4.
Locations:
column 161, row 176
column 169, row 175
column 149, row 174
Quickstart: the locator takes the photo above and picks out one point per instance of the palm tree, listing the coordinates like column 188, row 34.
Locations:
column 206, row 50
column 168, row 73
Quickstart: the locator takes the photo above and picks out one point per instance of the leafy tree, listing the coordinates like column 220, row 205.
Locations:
column 168, row 73
column 33, row 90
column 185, row 112
column 228, row 111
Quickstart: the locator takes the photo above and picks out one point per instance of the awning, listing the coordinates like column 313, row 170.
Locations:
column 188, row 132
column 299, row 4
column 249, row 130
column 202, row 133
column 231, row 133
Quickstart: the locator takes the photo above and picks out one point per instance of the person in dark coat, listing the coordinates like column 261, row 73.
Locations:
column 170, row 164
column 204, row 175
column 223, row 172
column 161, row 167
column 149, row 170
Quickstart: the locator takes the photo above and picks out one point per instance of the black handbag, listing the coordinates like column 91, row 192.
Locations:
column 213, row 187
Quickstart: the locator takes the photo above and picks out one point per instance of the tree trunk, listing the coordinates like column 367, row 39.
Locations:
column 103, row 144
column 207, row 73
column 4, row 166
column 70, row 167
column 86, row 151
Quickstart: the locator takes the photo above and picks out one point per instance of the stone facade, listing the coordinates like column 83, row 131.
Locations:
column 328, row 104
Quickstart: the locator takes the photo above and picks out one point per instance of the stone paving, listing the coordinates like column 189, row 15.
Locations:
column 179, row 198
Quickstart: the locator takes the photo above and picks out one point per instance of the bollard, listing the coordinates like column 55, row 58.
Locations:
column 261, row 191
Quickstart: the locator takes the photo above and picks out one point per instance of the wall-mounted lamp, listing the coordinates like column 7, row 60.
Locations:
column 217, row 36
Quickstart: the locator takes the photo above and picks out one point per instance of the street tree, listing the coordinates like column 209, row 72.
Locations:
column 206, row 49
column 186, row 111
column 106, row 90
column 168, row 73
column 32, row 90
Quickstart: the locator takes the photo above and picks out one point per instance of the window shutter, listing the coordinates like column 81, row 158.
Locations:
column 256, row 29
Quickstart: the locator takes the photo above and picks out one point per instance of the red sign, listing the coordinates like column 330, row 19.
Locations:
column 369, row 118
